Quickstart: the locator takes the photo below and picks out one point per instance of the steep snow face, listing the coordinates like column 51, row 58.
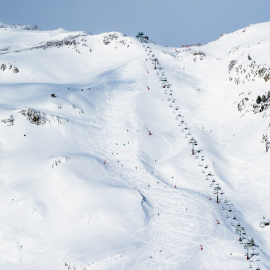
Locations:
column 97, row 169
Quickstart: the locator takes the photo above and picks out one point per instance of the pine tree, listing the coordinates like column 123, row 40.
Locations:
column 259, row 100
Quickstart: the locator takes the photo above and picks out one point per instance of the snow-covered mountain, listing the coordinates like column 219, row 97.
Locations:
column 115, row 151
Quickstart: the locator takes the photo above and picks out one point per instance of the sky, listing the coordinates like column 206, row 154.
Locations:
column 169, row 23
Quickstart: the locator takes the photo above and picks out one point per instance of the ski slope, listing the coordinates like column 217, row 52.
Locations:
column 96, row 147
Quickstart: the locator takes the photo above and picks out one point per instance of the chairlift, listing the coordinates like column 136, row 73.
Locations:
column 230, row 210
column 213, row 180
column 225, row 201
column 250, row 266
column 206, row 166
column 206, row 178
column 215, row 192
column 203, row 171
column 234, row 217
column 222, row 208
column 222, row 192
column 210, row 185
column 227, row 216
column 258, row 268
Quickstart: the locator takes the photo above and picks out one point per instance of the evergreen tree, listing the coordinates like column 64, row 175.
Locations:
column 259, row 100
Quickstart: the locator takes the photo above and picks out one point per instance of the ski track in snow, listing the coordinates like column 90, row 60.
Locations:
column 167, row 244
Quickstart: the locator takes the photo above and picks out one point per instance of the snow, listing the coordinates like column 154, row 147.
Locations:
column 101, row 175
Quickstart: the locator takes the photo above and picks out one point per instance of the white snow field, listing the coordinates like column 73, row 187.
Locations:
column 118, row 153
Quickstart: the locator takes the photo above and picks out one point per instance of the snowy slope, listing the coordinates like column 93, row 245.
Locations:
column 96, row 160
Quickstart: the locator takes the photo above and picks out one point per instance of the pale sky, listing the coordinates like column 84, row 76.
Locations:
column 170, row 22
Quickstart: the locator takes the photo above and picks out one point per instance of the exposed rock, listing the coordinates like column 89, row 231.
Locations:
column 34, row 116
column 9, row 121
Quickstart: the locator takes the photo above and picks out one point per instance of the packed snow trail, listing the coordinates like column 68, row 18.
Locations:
column 180, row 220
